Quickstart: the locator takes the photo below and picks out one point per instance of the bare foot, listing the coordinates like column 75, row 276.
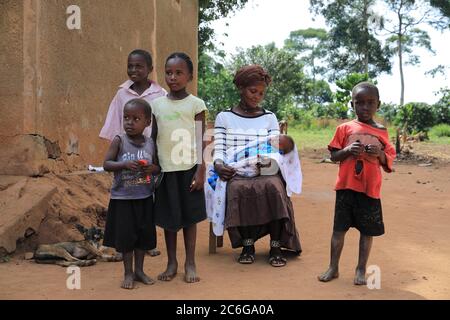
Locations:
column 142, row 277
column 128, row 281
column 190, row 275
column 330, row 274
column 170, row 272
column 154, row 252
column 360, row 277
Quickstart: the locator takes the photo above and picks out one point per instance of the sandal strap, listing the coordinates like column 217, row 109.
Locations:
column 248, row 242
column 275, row 243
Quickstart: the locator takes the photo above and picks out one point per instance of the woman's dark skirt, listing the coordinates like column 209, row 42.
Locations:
column 256, row 202
column 130, row 225
column 175, row 206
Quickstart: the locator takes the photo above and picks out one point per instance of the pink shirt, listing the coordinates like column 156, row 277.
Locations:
column 114, row 122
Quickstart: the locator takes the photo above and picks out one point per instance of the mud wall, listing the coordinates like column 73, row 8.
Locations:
column 57, row 82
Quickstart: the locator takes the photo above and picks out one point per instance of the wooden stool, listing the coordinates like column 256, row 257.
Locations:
column 214, row 241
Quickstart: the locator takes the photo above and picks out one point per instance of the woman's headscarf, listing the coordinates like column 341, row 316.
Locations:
column 248, row 75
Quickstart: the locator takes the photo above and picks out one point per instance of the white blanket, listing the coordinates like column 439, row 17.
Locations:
column 289, row 166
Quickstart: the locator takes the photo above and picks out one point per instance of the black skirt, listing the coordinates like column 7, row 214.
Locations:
column 175, row 206
column 130, row 225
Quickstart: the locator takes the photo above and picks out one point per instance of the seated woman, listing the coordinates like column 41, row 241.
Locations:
column 257, row 205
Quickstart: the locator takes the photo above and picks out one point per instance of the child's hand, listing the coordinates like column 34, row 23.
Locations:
column 199, row 180
column 131, row 165
column 373, row 150
column 151, row 169
column 356, row 148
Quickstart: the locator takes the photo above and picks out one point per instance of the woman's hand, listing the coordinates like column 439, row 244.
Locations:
column 225, row 172
column 199, row 179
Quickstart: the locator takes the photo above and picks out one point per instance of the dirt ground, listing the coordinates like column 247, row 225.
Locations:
column 413, row 255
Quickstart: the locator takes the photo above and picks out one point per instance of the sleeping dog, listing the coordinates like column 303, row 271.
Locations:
column 76, row 253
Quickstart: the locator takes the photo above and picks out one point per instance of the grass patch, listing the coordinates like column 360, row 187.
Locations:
column 317, row 138
column 440, row 134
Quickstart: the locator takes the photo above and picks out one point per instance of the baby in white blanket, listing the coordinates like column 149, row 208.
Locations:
column 249, row 159
column 265, row 156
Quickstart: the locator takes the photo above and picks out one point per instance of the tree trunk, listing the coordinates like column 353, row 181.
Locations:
column 366, row 36
column 402, row 80
column 400, row 54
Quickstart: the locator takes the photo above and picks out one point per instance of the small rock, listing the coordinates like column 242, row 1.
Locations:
column 409, row 172
column 424, row 164
column 424, row 278
column 28, row 255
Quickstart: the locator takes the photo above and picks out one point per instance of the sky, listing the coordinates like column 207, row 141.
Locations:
column 265, row 21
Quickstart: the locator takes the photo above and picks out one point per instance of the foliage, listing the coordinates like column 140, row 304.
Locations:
column 441, row 130
column 410, row 41
column 352, row 46
column 442, row 107
column 344, row 92
column 210, row 10
column 415, row 117
column 311, row 45
column 406, row 36
column 289, row 83
column 216, row 87
column 388, row 111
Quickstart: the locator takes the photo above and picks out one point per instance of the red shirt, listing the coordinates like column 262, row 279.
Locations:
column 369, row 180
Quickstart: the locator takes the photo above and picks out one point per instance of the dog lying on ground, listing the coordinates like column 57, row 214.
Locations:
column 76, row 253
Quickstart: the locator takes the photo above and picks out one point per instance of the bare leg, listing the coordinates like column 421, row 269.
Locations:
column 337, row 243
column 172, row 263
column 365, row 244
column 139, row 274
column 128, row 281
column 190, row 237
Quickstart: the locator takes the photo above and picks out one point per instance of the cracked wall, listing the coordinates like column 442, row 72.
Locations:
column 58, row 83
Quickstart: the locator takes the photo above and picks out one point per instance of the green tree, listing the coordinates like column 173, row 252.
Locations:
column 442, row 107
column 289, row 83
column 344, row 92
column 216, row 86
column 311, row 45
column 415, row 117
column 352, row 46
column 210, row 10
column 405, row 33
column 444, row 7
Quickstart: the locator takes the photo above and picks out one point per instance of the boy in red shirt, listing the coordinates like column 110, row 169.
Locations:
column 361, row 146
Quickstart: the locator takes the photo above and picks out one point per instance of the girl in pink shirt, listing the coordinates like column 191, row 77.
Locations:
column 138, row 86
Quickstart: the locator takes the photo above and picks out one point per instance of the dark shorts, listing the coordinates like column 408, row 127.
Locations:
column 356, row 209
column 130, row 225
column 175, row 206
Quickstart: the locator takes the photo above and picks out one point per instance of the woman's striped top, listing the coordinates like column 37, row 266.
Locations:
column 232, row 129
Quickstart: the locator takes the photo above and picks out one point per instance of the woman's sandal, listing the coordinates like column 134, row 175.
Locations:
column 276, row 260
column 248, row 252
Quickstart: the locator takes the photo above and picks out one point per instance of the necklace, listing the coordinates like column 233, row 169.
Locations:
column 249, row 111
